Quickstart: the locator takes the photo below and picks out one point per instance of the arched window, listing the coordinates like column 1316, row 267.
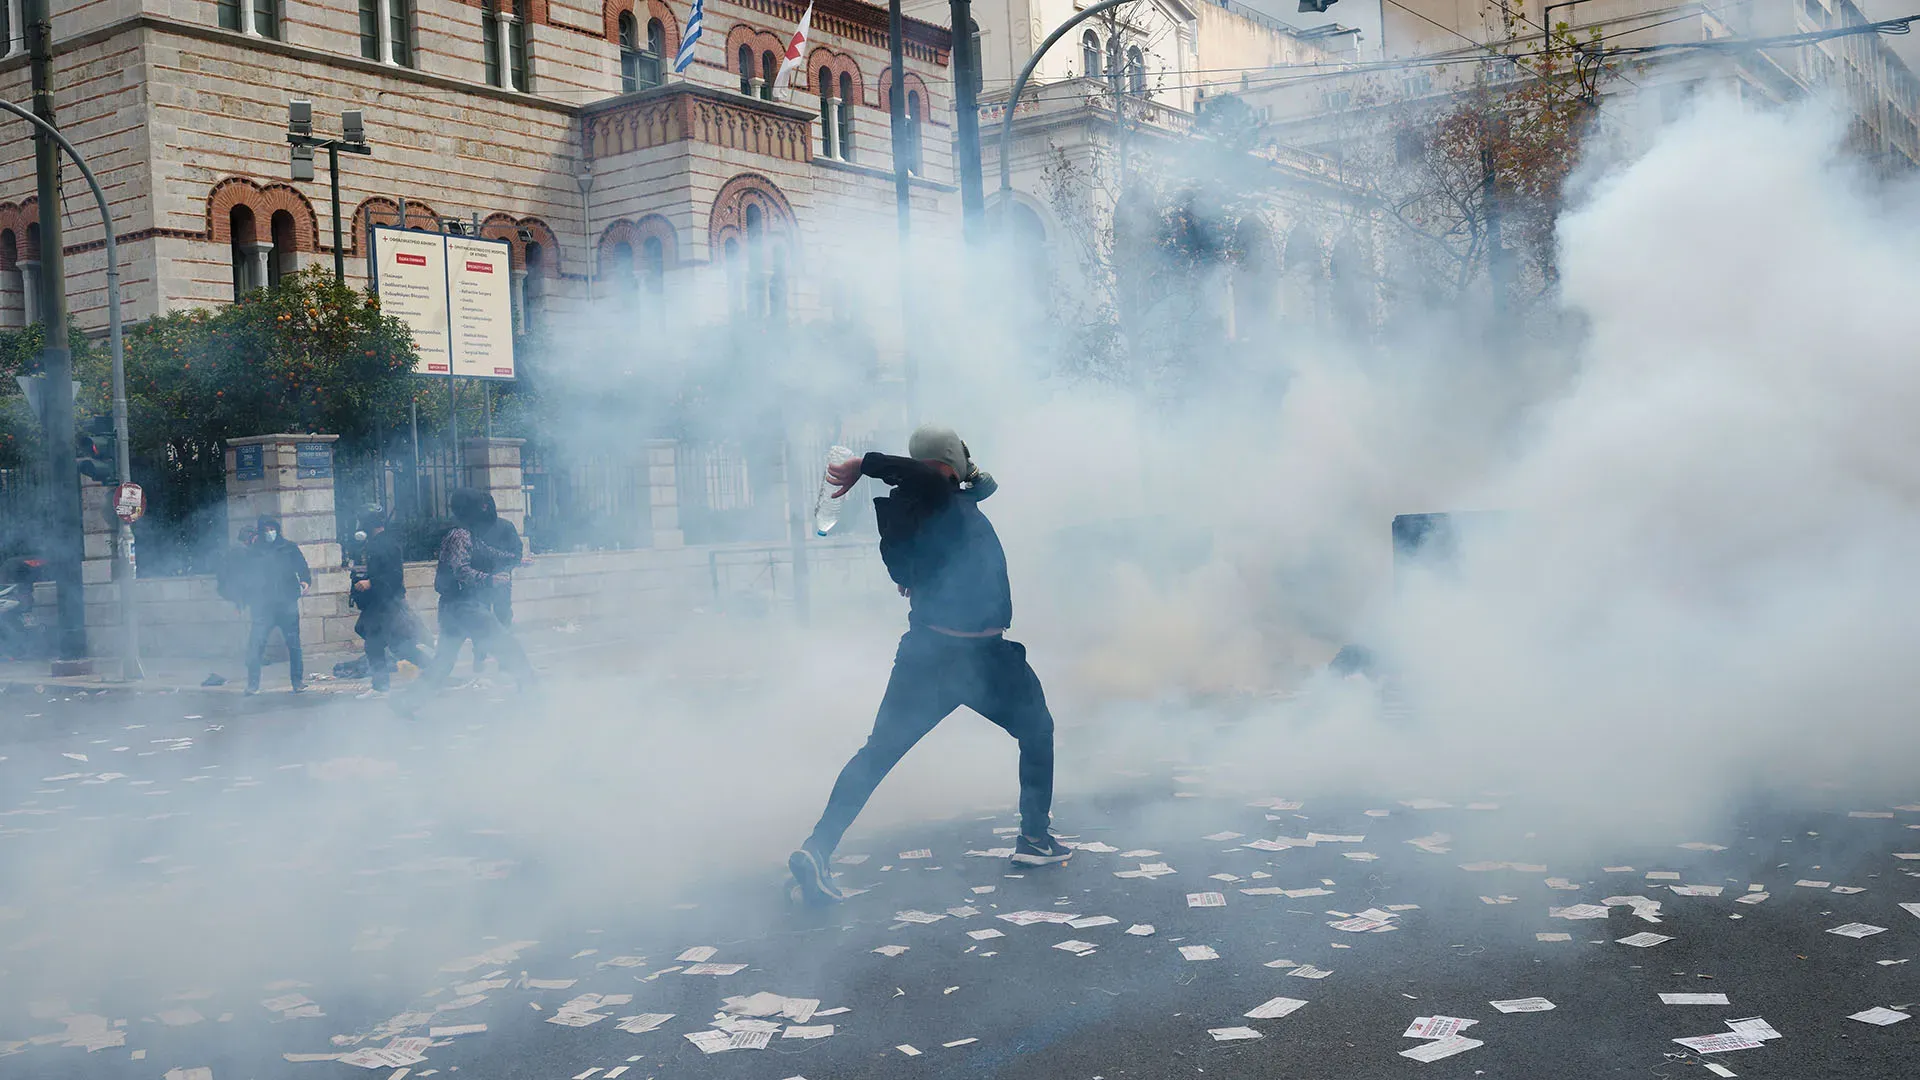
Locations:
column 777, row 287
column 746, row 69
column 534, row 304
column 847, row 99
column 736, row 280
column 769, row 67
column 265, row 20
column 10, row 281
column 1136, row 71
column 620, row 270
column 629, row 53
column 656, row 37
column 973, row 43
column 826, row 112
column 756, row 261
column 244, row 238
column 914, row 115
column 283, row 260
column 1116, row 63
column 653, row 264
column 1090, row 54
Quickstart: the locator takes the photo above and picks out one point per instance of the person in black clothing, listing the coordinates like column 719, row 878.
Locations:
column 945, row 557
column 468, row 572
column 276, row 577
column 503, row 537
column 380, row 592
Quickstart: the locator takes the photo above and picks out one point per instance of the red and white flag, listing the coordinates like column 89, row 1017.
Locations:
column 796, row 53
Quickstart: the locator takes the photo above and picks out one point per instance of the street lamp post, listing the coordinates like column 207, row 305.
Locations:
column 353, row 140
column 123, row 567
column 1019, row 84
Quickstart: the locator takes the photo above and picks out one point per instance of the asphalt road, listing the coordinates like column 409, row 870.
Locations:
column 1014, row 1005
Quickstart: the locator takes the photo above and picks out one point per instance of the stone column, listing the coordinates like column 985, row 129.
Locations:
column 29, row 290
column 506, row 21
column 663, row 493
column 258, row 273
column 759, row 87
column 250, row 17
column 493, row 466
column 383, row 34
column 289, row 477
column 830, row 120
column 519, row 280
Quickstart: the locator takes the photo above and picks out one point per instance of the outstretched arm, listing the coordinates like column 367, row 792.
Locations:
column 901, row 472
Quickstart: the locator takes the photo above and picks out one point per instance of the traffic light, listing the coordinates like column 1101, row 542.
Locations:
column 94, row 448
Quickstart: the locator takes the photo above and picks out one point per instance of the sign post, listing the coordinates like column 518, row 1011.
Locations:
column 456, row 294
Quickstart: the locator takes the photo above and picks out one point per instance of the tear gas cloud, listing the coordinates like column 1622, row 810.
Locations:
column 1703, row 586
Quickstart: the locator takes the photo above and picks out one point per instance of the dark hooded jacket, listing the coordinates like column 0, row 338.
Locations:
column 939, row 547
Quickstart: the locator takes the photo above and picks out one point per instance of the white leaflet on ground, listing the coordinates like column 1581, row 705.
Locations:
column 1441, row 1048
column 1220, row 837
column 1696, row 890
column 919, row 917
column 1076, row 947
column 1807, row 883
column 983, row 935
column 1141, row 929
column 1553, row 937
column 697, row 954
column 1437, row 1027
column 1754, row 1028
column 1617, row 869
column 1426, row 804
column 908, row 1050
column 1578, row 911
column 1858, row 930
column 1139, row 853
column 1694, row 999
column 1643, row 940
column 1308, row 971
column 1663, row 875
column 1296, row 894
column 1498, row 899
column 1358, row 925
column 1199, row 952
column 1274, row 1008
column 1096, row 847
column 917, row 853
column 891, row 950
column 714, row 969
column 1718, row 1069
column 1719, row 1044
column 455, row 1029
column 1231, row 1034
column 964, row 912
column 1029, row 918
column 851, row 860
column 957, row 1042
column 1751, row 898
column 1334, row 838
column 1092, row 921
column 1206, row 899
column 1698, row 846
column 1523, row 1005
column 1880, row 1016
column 1869, row 814
column 818, row 1031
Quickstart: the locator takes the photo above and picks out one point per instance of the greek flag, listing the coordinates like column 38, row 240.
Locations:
column 681, row 61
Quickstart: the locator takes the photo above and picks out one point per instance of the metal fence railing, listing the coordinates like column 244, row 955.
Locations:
column 597, row 502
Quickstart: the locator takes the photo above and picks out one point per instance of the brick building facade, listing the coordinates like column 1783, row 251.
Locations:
column 559, row 124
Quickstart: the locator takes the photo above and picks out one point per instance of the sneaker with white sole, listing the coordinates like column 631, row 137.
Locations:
column 812, row 873
column 1046, row 851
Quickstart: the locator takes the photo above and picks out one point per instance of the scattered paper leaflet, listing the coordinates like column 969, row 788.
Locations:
column 1437, row 1027
column 1441, row 1048
column 1275, row 1008
column 1523, row 1005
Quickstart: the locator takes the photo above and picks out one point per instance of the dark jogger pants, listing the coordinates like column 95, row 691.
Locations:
column 471, row 621
column 390, row 638
column 934, row 674
column 266, row 619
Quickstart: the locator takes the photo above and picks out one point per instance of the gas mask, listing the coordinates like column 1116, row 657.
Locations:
column 360, row 536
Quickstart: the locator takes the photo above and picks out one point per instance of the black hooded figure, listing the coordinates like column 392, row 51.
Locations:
column 386, row 622
column 466, row 578
column 274, row 579
column 499, row 534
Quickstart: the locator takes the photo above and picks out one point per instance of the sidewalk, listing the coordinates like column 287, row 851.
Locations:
column 549, row 647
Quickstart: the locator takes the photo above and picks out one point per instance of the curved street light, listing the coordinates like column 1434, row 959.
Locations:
column 1019, row 84
column 123, row 533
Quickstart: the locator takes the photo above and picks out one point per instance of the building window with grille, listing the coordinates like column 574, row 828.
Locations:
column 255, row 18
column 1136, row 71
column 653, row 265
column 653, row 61
column 503, row 37
column 640, row 65
column 769, row 67
column 746, row 70
column 1090, row 54
column 395, row 46
column 846, row 116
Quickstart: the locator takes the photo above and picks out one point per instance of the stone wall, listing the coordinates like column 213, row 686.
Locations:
column 184, row 617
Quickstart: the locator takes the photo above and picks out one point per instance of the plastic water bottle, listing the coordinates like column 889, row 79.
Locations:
column 826, row 508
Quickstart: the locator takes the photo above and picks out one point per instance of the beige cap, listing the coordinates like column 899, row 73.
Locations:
column 933, row 443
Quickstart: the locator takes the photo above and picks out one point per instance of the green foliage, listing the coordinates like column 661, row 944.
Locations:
column 306, row 355
column 20, row 355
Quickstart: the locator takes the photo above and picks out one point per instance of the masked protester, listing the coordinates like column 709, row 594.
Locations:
column 944, row 555
column 499, row 534
column 380, row 592
column 277, row 577
column 465, row 577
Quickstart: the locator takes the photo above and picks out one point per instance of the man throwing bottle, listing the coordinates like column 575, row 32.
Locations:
column 945, row 557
